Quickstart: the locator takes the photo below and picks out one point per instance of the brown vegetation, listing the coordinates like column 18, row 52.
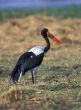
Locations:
column 18, row 35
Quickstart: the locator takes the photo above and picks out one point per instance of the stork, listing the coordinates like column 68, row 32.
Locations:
column 32, row 59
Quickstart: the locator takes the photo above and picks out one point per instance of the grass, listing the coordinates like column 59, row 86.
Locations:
column 58, row 84
column 62, row 13
column 57, row 87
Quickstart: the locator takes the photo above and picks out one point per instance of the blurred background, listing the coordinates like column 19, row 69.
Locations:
column 37, row 3
column 17, row 8
column 59, row 77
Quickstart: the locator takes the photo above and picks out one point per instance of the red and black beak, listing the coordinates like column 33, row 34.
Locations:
column 54, row 39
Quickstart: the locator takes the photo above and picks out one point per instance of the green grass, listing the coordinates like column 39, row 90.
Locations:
column 66, row 12
column 55, row 90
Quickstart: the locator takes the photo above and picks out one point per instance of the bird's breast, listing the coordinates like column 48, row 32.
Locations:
column 37, row 50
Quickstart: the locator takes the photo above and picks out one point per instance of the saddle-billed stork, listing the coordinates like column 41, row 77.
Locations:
column 32, row 58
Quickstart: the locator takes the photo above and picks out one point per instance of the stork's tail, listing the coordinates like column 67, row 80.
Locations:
column 13, row 75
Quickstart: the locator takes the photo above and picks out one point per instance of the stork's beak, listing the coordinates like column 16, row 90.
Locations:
column 54, row 39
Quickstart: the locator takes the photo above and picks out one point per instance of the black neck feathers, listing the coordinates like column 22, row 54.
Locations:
column 44, row 34
column 47, row 45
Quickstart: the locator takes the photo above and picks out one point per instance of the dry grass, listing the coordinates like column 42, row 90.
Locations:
column 58, row 83
column 20, row 34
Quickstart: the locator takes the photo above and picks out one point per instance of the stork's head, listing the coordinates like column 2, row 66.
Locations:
column 46, row 34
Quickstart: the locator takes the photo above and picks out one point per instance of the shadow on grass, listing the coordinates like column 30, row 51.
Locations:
column 67, row 70
column 63, row 70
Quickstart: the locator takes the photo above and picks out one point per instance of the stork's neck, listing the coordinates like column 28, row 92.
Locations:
column 47, row 44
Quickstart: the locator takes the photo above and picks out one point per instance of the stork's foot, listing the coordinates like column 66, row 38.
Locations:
column 34, row 82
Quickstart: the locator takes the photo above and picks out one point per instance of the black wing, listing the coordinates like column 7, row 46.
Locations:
column 32, row 61
column 26, row 62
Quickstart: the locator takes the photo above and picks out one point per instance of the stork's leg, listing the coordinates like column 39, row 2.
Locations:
column 33, row 76
column 33, row 73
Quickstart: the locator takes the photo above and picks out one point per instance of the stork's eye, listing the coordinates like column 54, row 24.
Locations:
column 48, row 34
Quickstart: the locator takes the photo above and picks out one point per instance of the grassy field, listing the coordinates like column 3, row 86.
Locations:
column 59, row 77
column 62, row 13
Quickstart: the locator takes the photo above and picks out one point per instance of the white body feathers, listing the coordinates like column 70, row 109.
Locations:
column 37, row 50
